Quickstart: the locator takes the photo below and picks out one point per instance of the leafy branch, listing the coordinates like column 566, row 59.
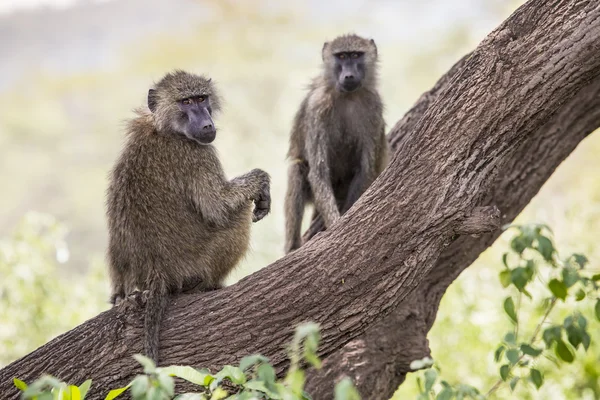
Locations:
column 532, row 255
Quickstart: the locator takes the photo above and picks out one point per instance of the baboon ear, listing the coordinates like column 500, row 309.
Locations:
column 325, row 45
column 152, row 100
column 374, row 46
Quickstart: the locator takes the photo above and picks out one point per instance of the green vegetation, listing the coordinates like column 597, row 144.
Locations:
column 36, row 302
column 533, row 347
column 253, row 379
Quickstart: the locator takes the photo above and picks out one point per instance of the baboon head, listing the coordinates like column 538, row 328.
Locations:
column 350, row 62
column 184, row 103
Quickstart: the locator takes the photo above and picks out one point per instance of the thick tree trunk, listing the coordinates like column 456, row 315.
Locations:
column 379, row 360
column 489, row 134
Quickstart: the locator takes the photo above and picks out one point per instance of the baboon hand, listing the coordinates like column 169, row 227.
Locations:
column 262, row 200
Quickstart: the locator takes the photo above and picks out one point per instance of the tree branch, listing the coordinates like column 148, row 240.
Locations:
column 353, row 275
column 381, row 357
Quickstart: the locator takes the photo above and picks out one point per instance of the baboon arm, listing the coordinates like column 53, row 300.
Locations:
column 217, row 200
column 319, row 176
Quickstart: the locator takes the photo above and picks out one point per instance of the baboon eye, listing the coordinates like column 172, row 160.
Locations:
column 201, row 99
column 342, row 56
column 354, row 55
column 186, row 101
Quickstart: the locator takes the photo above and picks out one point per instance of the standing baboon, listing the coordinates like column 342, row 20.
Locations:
column 337, row 144
column 175, row 222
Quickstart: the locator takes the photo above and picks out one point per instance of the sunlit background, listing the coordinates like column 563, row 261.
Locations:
column 72, row 71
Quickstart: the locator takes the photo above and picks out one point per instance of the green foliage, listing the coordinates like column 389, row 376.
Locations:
column 345, row 390
column 34, row 297
column 254, row 378
column 50, row 388
column 533, row 259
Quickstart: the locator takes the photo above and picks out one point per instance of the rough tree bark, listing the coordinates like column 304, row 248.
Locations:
column 379, row 360
column 529, row 92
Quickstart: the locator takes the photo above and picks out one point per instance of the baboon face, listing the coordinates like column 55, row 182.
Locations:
column 195, row 121
column 350, row 62
column 184, row 104
column 349, row 70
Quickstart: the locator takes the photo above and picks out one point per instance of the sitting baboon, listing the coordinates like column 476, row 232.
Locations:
column 175, row 221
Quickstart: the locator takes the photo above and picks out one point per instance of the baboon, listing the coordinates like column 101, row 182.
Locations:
column 337, row 144
column 175, row 222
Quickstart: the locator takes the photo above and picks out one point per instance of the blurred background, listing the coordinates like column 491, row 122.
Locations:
column 73, row 70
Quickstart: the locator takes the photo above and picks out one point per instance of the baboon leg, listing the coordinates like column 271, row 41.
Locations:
column 295, row 201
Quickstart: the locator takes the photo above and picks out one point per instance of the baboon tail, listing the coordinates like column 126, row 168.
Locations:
column 158, row 298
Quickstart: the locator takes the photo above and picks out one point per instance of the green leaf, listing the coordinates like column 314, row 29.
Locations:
column 513, row 383
column 570, row 276
column 558, row 289
column 520, row 243
column 167, row 384
column 580, row 260
column 71, row 392
column 519, row 277
column 266, row 373
column 563, row 352
column 295, row 380
column 306, row 329
column 311, row 345
column 148, row 364
column 505, row 260
column 139, row 386
column 596, row 277
column 261, row 387
column 189, row 374
column 509, row 307
column 582, row 321
column 580, row 295
column 345, row 390
column 252, row 360
column 568, row 321
column 20, row 384
column 220, row 393
column 530, row 269
column 597, row 309
column 552, row 335
column 512, row 355
column 536, row 378
column 85, row 387
column 504, row 372
column 430, row 377
column 510, row 338
column 585, row 340
column 153, row 393
column 113, row 394
column 499, row 352
column 545, row 247
column 505, row 278
column 234, row 374
column 530, row 351
column 445, row 394
column 574, row 335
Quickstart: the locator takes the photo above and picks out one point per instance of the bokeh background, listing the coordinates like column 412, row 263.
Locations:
column 72, row 71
